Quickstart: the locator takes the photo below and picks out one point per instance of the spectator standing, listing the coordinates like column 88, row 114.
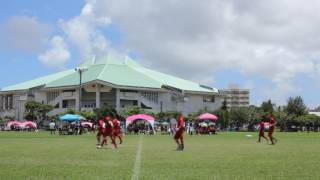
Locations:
column 52, row 127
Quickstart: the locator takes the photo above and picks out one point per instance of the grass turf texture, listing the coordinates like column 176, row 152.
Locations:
column 225, row 156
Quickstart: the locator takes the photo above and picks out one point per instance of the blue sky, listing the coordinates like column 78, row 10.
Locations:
column 272, row 61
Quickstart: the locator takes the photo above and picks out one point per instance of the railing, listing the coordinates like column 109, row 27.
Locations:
column 129, row 95
column 151, row 96
column 149, row 103
column 55, row 97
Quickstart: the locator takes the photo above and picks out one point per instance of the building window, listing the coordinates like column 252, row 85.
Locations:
column 127, row 90
column 209, row 99
column 52, row 95
column 9, row 102
column 68, row 104
column 150, row 96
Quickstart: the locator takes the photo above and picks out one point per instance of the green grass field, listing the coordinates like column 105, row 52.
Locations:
column 224, row 156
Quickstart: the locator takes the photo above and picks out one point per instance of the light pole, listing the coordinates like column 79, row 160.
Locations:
column 80, row 70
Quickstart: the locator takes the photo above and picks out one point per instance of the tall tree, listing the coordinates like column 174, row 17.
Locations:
column 43, row 109
column 254, row 116
column 224, row 118
column 31, row 109
column 296, row 106
column 131, row 110
column 239, row 116
column 267, row 106
column 103, row 111
column 224, row 105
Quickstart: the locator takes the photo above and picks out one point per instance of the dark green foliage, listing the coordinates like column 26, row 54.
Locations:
column 103, row 111
column 267, row 107
column 36, row 110
column 224, row 105
column 89, row 115
column 296, row 106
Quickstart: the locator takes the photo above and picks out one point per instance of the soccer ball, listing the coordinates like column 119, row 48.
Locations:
column 249, row 136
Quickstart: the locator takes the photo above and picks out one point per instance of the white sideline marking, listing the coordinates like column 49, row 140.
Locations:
column 136, row 168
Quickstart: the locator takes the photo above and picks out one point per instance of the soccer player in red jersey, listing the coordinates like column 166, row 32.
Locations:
column 272, row 125
column 101, row 129
column 108, row 132
column 179, row 133
column 261, row 131
column 117, row 128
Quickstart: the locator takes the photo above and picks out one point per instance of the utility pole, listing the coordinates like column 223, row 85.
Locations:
column 80, row 70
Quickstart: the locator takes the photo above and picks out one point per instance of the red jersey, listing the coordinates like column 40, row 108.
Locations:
column 261, row 126
column 101, row 125
column 181, row 123
column 272, row 123
column 116, row 123
column 109, row 126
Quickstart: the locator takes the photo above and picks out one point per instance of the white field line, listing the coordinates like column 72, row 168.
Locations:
column 137, row 163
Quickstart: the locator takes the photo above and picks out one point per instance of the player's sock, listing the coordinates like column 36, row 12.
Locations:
column 179, row 146
column 104, row 142
column 114, row 143
column 272, row 141
column 182, row 147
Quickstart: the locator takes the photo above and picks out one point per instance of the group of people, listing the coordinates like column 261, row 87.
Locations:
column 271, row 124
column 66, row 128
column 139, row 127
column 110, row 127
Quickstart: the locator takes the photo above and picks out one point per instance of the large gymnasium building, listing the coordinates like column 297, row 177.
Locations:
column 113, row 81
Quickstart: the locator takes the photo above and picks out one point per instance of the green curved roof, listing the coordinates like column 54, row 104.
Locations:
column 119, row 73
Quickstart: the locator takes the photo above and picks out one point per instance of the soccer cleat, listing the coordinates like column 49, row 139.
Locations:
column 182, row 147
column 98, row 147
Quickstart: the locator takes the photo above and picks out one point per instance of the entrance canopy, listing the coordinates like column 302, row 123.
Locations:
column 208, row 116
column 29, row 124
column 71, row 118
column 88, row 124
column 22, row 124
column 145, row 117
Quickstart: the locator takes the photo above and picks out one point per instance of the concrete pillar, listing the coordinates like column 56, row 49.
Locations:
column 139, row 99
column 77, row 99
column 60, row 104
column 4, row 102
column 97, row 96
column 118, row 99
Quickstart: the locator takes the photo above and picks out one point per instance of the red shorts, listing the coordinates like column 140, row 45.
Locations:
column 261, row 133
column 179, row 133
column 116, row 132
column 100, row 132
column 107, row 133
column 270, row 133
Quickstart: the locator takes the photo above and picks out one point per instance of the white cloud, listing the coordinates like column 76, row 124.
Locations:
column 24, row 33
column 271, row 39
column 83, row 32
column 277, row 39
column 57, row 55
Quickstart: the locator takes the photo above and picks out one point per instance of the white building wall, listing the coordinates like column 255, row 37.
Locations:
column 1, row 102
column 191, row 103
column 167, row 103
column 40, row 96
